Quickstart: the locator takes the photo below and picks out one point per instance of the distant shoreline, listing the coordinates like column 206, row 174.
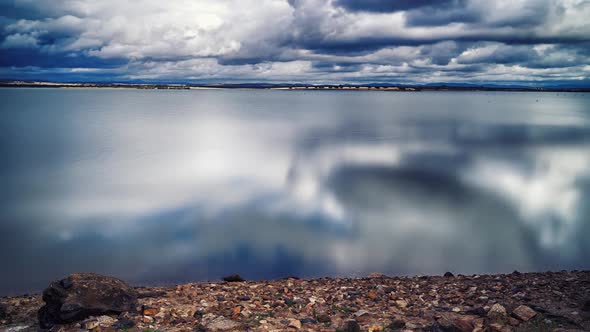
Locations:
column 299, row 87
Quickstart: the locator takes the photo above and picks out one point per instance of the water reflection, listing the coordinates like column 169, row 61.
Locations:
column 169, row 186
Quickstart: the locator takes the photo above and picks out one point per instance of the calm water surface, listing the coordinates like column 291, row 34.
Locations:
column 173, row 186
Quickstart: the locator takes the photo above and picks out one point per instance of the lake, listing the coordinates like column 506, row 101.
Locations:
column 159, row 187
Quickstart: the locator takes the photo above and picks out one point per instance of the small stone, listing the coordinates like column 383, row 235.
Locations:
column 413, row 325
column 361, row 313
column 124, row 323
column 456, row 309
column 448, row 274
column 222, row 324
column 401, row 303
column 246, row 313
column 478, row 311
column 372, row 295
column 453, row 322
column 308, row 321
column 90, row 324
column 106, row 321
column 294, row 323
column 150, row 311
column 323, row 318
column 351, row 326
column 524, row 313
column 233, row 278
column 147, row 319
column 497, row 311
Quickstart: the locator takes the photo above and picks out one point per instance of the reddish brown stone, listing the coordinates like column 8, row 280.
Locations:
column 523, row 313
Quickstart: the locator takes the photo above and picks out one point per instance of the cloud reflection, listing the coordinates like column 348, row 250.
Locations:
column 173, row 186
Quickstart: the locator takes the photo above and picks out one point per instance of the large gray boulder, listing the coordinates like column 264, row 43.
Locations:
column 85, row 294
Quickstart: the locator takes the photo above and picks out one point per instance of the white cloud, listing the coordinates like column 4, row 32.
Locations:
column 19, row 41
column 299, row 40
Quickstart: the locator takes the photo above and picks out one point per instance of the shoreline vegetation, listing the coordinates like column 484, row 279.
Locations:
column 311, row 87
column 548, row 301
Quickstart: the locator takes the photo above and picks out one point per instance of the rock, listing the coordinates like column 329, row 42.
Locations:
column 123, row 324
column 361, row 313
column 308, row 321
column 586, row 306
column 246, row 313
column 82, row 295
column 106, row 321
column 401, row 303
column 294, row 323
column 478, row 311
column 456, row 323
column 146, row 311
column 222, row 324
column 90, row 324
column 497, row 311
column 323, row 318
column 448, row 275
column 351, row 326
column 524, row 313
column 233, row 278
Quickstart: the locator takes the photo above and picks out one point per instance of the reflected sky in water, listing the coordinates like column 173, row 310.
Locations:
column 173, row 186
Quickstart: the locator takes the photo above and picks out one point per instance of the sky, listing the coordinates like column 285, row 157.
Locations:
column 524, row 42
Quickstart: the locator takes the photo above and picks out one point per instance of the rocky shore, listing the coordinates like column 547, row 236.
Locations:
column 550, row 301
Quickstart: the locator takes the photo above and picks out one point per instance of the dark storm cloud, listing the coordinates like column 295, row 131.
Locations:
column 527, row 15
column 23, row 57
column 448, row 13
column 296, row 40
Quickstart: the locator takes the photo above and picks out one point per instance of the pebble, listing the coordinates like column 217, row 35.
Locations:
column 401, row 303
column 523, row 313
column 90, row 324
column 222, row 324
column 295, row 323
column 497, row 311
